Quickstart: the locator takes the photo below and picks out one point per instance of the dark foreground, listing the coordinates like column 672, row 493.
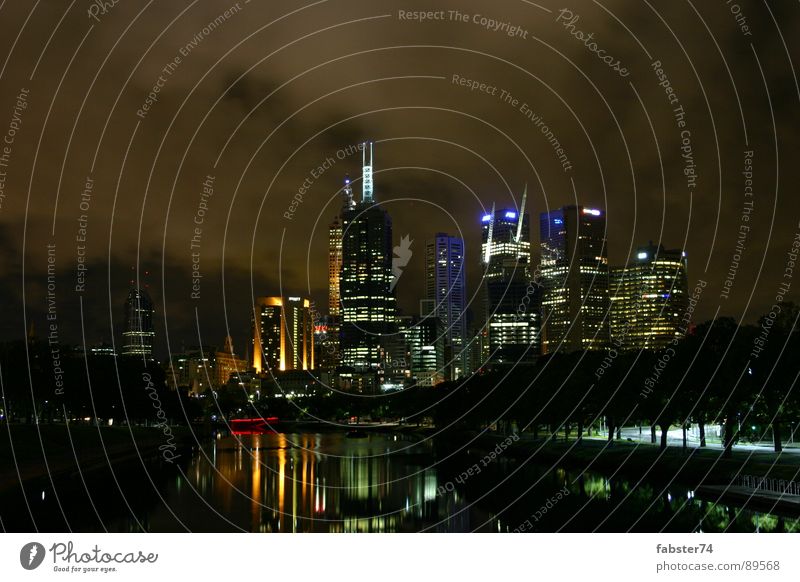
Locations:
column 378, row 482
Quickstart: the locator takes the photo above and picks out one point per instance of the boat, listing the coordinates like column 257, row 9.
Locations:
column 254, row 425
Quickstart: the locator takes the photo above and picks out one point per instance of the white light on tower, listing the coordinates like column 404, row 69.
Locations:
column 367, row 172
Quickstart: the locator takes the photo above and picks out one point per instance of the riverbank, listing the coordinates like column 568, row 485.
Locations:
column 691, row 466
column 62, row 451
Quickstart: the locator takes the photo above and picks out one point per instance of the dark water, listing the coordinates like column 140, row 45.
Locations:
column 329, row 483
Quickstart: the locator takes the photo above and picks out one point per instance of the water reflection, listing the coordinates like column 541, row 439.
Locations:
column 329, row 483
column 305, row 483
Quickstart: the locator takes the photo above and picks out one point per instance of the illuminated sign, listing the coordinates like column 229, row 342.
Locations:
column 486, row 218
column 510, row 214
column 592, row 211
column 642, row 255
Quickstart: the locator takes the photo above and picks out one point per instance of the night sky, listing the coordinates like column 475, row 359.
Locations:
column 262, row 98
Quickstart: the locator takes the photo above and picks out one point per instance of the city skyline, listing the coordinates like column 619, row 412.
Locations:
column 644, row 199
column 571, row 300
column 365, row 267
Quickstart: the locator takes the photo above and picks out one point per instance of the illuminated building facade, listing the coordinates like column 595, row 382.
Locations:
column 283, row 334
column 425, row 358
column 648, row 299
column 574, row 273
column 328, row 330
column 514, row 324
column 505, row 235
column 137, row 339
column 194, row 370
column 445, row 288
column 511, row 299
column 334, row 266
column 367, row 300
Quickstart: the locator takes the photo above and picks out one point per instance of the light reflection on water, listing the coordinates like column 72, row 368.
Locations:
column 329, row 483
column 305, row 483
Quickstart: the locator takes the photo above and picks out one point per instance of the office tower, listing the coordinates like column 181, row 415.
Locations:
column 505, row 235
column 326, row 343
column 514, row 324
column 475, row 351
column 137, row 339
column 574, row 273
column 334, row 266
column 329, row 330
column 511, row 299
column 227, row 363
column 424, row 339
column 101, row 350
column 649, row 297
column 445, row 288
column 283, row 334
column 368, row 303
column 194, row 370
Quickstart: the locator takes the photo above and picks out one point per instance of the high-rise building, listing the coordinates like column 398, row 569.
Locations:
column 445, row 288
column 649, row 297
column 194, row 369
column 425, row 350
column 334, row 266
column 283, row 334
column 574, row 273
column 505, row 235
column 328, row 330
column 514, row 324
column 511, row 299
column 367, row 300
column 137, row 339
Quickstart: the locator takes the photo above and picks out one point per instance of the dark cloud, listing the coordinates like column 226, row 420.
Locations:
column 340, row 72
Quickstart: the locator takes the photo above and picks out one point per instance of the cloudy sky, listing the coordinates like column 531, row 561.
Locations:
column 258, row 95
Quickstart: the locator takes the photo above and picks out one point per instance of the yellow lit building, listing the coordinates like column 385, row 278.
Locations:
column 648, row 299
column 283, row 334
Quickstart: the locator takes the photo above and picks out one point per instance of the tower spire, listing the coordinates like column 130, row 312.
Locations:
column 488, row 251
column 366, row 177
column 348, row 193
column 521, row 213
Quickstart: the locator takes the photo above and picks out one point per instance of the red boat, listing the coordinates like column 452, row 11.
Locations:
column 254, row 425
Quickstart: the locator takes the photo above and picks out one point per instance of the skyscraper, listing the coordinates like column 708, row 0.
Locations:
column 445, row 287
column 368, row 303
column 649, row 297
column 328, row 330
column 283, row 334
column 425, row 350
column 514, row 323
column 334, row 266
column 505, row 235
column 137, row 339
column 574, row 272
column 511, row 299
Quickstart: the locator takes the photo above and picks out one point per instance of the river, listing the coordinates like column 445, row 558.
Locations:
column 382, row 483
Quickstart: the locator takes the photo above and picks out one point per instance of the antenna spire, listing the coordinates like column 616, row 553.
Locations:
column 348, row 193
column 521, row 213
column 488, row 251
column 366, row 177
